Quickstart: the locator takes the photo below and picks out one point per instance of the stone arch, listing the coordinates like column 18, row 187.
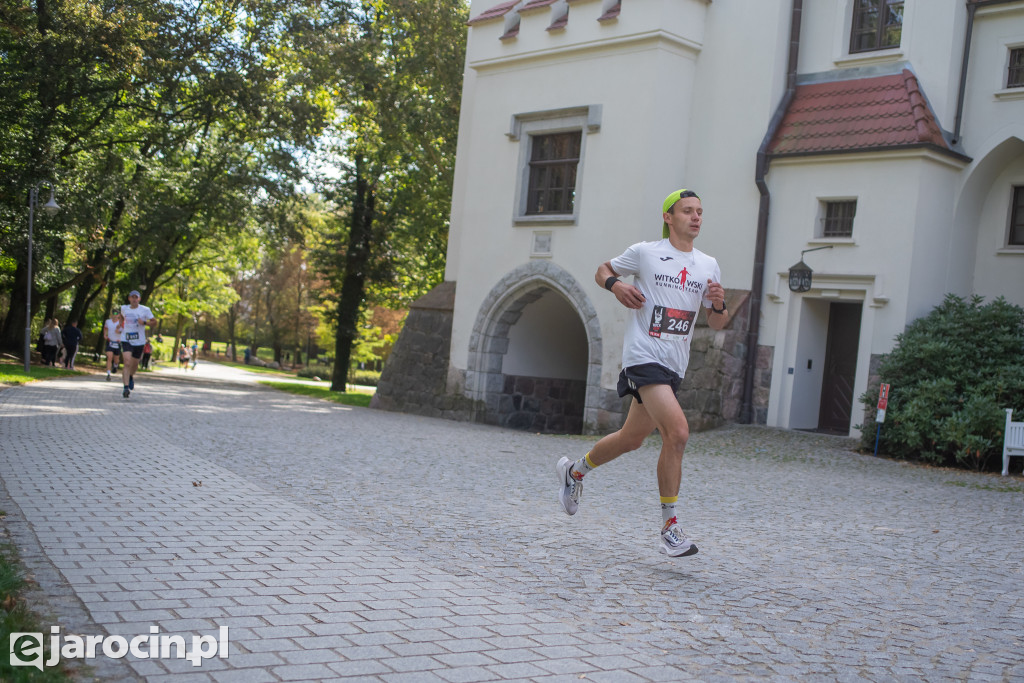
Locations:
column 501, row 309
column 979, row 219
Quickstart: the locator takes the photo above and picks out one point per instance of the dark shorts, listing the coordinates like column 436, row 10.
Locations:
column 113, row 346
column 636, row 376
column 136, row 351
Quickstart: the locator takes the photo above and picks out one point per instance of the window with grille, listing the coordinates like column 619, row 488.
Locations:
column 1016, row 236
column 1015, row 72
column 553, row 162
column 877, row 25
column 837, row 220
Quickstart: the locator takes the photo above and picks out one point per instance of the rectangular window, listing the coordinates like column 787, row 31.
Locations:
column 1016, row 236
column 553, row 162
column 877, row 25
column 1015, row 73
column 838, row 219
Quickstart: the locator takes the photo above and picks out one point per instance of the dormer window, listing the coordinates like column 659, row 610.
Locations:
column 877, row 25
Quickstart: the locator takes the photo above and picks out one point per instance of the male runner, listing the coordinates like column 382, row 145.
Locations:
column 134, row 319
column 671, row 280
column 112, row 339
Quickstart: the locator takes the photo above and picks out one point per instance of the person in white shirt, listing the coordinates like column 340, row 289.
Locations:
column 672, row 281
column 112, row 339
column 134, row 319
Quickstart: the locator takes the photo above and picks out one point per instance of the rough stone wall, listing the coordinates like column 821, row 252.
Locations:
column 541, row 404
column 712, row 391
column 414, row 378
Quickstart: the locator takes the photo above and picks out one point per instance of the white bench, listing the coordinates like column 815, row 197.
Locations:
column 1013, row 440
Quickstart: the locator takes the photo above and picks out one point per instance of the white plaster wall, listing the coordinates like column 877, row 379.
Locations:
column 642, row 77
column 932, row 43
column 732, row 106
column 999, row 271
column 883, row 230
column 548, row 340
column 989, row 105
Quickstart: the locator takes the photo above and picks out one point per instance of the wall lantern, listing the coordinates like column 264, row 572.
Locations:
column 800, row 274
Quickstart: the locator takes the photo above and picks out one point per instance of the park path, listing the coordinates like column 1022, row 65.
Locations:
column 339, row 542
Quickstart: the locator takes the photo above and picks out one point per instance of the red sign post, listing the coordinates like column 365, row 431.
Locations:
column 883, row 402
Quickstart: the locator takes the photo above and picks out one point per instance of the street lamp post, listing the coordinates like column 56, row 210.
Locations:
column 50, row 208
column 298, row 315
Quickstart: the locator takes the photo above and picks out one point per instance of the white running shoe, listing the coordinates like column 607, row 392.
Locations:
column 572, row 488
column 674, row 542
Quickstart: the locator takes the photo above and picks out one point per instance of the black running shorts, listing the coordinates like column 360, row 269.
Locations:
column 136, row 351
column 636, row 376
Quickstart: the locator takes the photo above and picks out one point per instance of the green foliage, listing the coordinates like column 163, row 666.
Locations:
column 15, row 617
column 953, row 373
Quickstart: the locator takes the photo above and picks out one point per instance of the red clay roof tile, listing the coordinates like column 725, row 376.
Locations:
column 536, row 4
column 612, row 13
column 862, row 114
column 495, row 12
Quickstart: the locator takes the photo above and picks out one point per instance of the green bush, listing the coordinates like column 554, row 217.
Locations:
column 953, row 373
column 368, row 378
column 321, row 371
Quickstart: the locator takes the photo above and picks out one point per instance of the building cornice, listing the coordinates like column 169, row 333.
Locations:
column 636, row 40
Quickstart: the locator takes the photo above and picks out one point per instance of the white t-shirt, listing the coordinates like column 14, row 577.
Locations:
column 112, row 333
column 135, row 319
column 675, row 284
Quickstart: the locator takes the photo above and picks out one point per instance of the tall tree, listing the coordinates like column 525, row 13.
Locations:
column 400, row 67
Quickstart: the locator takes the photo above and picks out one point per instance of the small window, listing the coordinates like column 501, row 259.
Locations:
column 553, row 162
column 877, row 25
column 1015, row 72
column 1016, row 236
column 838, row 219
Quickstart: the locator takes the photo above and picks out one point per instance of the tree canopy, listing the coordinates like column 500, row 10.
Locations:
column 228, row 143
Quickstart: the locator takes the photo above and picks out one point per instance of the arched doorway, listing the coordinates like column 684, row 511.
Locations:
column 534, row 354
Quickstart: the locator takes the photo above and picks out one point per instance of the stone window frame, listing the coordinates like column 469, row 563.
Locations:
column 523, row 128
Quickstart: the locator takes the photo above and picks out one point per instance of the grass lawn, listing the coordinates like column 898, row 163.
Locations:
column 15, row 617
column 350, row 398
column 14, row 373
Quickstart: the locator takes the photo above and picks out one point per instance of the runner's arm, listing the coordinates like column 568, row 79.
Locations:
column 627, row 294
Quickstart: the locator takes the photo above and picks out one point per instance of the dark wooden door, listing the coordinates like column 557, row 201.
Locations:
column 840, row 368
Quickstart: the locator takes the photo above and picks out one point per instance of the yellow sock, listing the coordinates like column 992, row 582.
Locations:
column 581, row 467
column 668, row 508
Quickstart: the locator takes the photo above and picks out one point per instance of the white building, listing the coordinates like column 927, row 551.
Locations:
column 890, row 134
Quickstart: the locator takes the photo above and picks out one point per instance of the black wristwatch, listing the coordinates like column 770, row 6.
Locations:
column 715, row 310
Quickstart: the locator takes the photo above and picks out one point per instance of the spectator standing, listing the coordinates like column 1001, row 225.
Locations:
column 72, row 336
column 147, row 353
column 52, row 341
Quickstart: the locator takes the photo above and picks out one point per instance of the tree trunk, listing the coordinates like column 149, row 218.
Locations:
column 353, row 288
column 232, row 318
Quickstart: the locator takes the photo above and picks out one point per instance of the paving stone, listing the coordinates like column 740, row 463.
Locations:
column 816, row 562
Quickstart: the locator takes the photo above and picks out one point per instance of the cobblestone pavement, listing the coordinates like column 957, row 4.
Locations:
column 343, row 542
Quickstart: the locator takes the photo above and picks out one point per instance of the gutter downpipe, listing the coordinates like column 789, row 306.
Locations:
column 971, row 7
column 761, row 243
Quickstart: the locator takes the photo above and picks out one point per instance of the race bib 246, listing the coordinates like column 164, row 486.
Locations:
column 670, row 321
